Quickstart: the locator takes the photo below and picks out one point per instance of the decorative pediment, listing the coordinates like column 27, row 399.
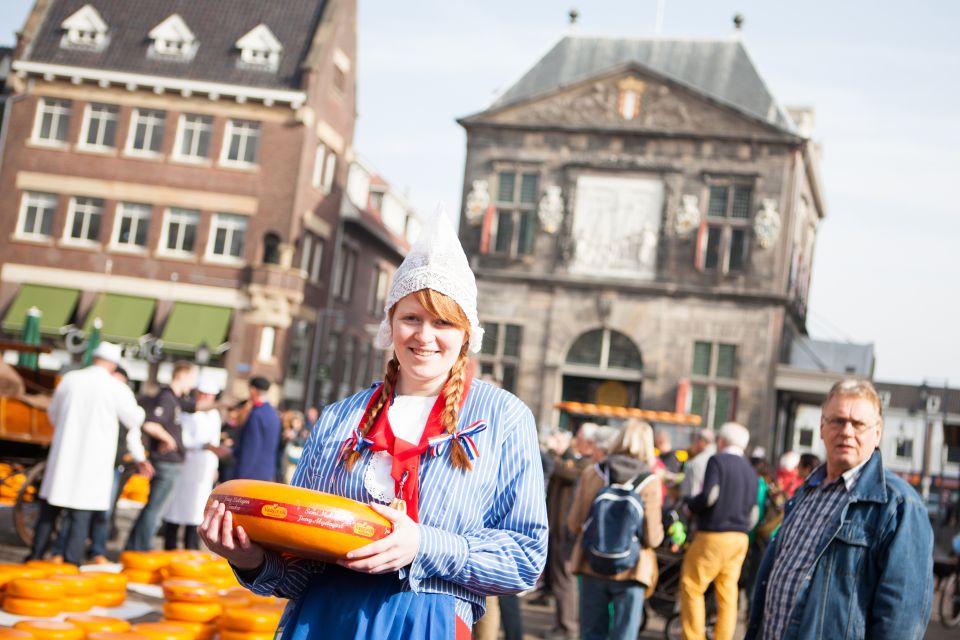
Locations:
column 85, row 29
column 259, row 49
column 173, row 39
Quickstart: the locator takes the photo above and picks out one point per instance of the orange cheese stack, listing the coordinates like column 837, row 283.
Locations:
column 109, row 599
column 51, row 629
column 163, row 631
column 32, row 608
column 78, row 585
column 306, row 523
column 256, row 619
column 111, row 588
column 39, row 597
column 192, row 611
column 6, row 633
column 9, row 573
column 92, row 624
column 234, row 600
column 53, row 568
column 144, row 566
column 77, row 604
column 189, row 591
column 137, row 489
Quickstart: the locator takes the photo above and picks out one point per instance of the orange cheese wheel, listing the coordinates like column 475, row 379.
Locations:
column 107, row 581
column 12, row 572
column 189, row 591
column 142, row 577
column 51, row 629
column 28, row 607
column 109, row 599
column 229, row 634
column 163, row 631
column 256, row 619
column 54, row 568
column 222, row 582
column 258, row 599
column 192, row 611
column 90, row 624
column 219, row 568
column 306, row 523
column 78, row 585
column 188, row 568
column 37, row 588
column 144, row 560
column 234, row 601
column 6, row 633
column 116, row 635
column 75, row 604
column 200, row 630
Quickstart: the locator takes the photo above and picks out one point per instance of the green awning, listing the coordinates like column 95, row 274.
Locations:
column 124, row 318
column 191, row 324
column 55, row 303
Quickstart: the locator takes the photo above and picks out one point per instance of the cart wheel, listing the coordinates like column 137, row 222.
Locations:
column 950, row 601
column 27, row 508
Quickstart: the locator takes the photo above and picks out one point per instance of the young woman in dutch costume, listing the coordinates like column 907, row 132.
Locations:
column 457, row 459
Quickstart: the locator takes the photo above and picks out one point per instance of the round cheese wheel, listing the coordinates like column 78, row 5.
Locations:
column 188, row 568
column 91, row 624
column 229, row 634
column 28, row 607
column 200, row 630
column 116, row 635
column 189, row 591
column 222, row 582
column 234, row 601
column 51, row 629
column 37, row 588
column 192, row 611
column 54, row 568
column 163, row 631
column 256, row 619
column 306, row 523
column 77, row 603
column 107, row 581
column 219, row 568
column 78, row 585
column 144, row 560
column 109, row 599
column 6, row 633
column 142, row 577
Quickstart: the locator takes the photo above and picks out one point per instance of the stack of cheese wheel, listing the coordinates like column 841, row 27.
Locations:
column 163, row 631
column 36, row 597
column 220, row 574
column 81, row 592
column 10, row 482
column 192, row 604
column 6, row 633
column 236, row 598
column 258, row 622
column 50, row 629
column 137, row 489
column 93, row 624
column 144, row 567
column 53, row 568
column 111, row 588
column 10, row 571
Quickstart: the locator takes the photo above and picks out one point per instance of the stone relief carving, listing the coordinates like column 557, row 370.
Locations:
column 477, row 201
column 550, row 209
column 766, row 224
column 687, row 216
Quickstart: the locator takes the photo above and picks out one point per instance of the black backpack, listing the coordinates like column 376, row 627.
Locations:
column 613, row 531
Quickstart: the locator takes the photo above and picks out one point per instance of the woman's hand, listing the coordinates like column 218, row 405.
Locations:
column 231, row 542
column 391, row 553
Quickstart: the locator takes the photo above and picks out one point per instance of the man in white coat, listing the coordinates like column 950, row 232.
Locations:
column 86, row 410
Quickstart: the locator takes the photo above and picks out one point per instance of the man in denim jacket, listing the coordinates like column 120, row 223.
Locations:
column 854, row 556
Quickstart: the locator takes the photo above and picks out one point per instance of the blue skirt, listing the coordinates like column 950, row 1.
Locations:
column 343, row 604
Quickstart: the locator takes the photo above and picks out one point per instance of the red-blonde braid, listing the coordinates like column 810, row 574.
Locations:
column 453, row 392
column 386, row 390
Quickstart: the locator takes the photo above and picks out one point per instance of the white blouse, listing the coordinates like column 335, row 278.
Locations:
column 408, row 418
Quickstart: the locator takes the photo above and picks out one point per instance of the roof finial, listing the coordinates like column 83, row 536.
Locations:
column 738, row 20
column 574, row 14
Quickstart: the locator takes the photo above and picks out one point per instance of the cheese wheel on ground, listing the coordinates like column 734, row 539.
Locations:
column 142, row 577
column 189, row 591
column 229, row 634
column 54, row 568
column 76, row 604
column 188, row 568
column 222, row 582
column 256, row 619
column 107, row 581
column 78, row 585
column 110, row 599
column 116, row 635
column 305, row 523
column 23, row 571
column 192, row 611
column 6, row 633
column 163, row 631
column 51, row 629
column 200, row 630
column 144, row 560
column 28, row 607
column 37, row 588
column 90, row 624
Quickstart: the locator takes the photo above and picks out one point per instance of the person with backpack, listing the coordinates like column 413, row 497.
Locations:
column 616, row 517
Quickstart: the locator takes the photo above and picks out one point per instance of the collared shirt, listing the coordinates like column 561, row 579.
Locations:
column 797, row 544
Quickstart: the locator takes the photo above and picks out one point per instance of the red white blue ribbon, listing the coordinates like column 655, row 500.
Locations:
column 439, row 444
column 356, row 442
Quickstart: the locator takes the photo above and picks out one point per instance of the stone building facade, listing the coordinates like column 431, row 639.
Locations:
column 641, row 215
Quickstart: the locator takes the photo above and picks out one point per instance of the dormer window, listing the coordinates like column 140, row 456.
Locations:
column 173, row 40
column 259, row 49
column 85, row 29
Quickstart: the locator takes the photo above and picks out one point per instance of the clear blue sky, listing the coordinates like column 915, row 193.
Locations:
column 887, row 266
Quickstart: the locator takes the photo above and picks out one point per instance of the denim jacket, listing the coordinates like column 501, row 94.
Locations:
column 873, row 573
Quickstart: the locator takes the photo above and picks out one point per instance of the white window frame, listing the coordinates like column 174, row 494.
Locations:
column 182, row 125
column 230, row 223
column 151, row 129
column 316, row 262
column 179, row 215
column 268, row 339
column 305, row 247
column 242, row 128
column 59, row 109
column 319, row 158
column 42, row 202
column 140, row 213
column 88, row 208
column 112, row 112
column 329, row 172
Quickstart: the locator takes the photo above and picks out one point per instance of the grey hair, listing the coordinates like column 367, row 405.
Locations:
column 589, row 431
column 854, row 388
column 735, row 434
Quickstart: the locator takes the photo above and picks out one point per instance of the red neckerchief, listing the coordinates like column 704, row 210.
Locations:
column 406, row 455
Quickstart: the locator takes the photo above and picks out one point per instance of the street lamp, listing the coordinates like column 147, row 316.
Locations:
column 927, row 437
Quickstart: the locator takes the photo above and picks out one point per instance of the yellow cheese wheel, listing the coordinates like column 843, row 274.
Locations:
column 234, row 601
column 306, row 523
column 222, row 582
column 77, row 603
column 54, row 568
column 192, row 611
column 229, row 634
column 51, row 629
column 20, row 571
column 258, row 599
column 257, row 619
column 116, row 635
column 163, row 631
column 219, row 568
column 189, row 591
column 107, row 581
column 78, row 585
column 188, row 568
column 28, row 607
column 90, row 624
column 6, row 633
column 142, row 577
column 110, row 599
column 144, row 560
column 200, row 630
column 37, row 588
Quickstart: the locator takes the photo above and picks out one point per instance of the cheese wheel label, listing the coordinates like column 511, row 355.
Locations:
column 324, row 518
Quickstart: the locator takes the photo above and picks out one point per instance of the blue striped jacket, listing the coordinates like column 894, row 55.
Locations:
column 482, row 532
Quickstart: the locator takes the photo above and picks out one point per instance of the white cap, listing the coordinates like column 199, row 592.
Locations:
column 436, row 261
column 208, row 385
column 109, row 352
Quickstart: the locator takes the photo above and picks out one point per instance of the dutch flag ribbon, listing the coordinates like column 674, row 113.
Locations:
column 439, row 444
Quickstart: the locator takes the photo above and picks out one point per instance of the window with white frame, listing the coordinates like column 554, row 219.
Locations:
column 378, row 291
column 344, row 275
column 132, row 225
column 723, row 239
column 259, row 49
column 180, row 231
column 36, row 215
column 324, row 168
column 193, row 137
column 329, row 172
column 84, row 217
column 500, row 353
column 146, row 132
column 311, row 257
column 713, row 383
column 227, row 234
column 84, row 30
column 172, row 40
column 52, row 123
column 268, row 336
column 318, row 159
column 517, row 196
column 241, row 142
column 100, row 126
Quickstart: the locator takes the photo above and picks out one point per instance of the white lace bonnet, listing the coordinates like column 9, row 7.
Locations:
column 435, row 261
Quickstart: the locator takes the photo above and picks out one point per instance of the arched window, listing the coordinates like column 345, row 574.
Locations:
column 271, row 248
column 605, row 348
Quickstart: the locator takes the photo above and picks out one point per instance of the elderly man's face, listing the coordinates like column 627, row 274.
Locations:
column 850, row 428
